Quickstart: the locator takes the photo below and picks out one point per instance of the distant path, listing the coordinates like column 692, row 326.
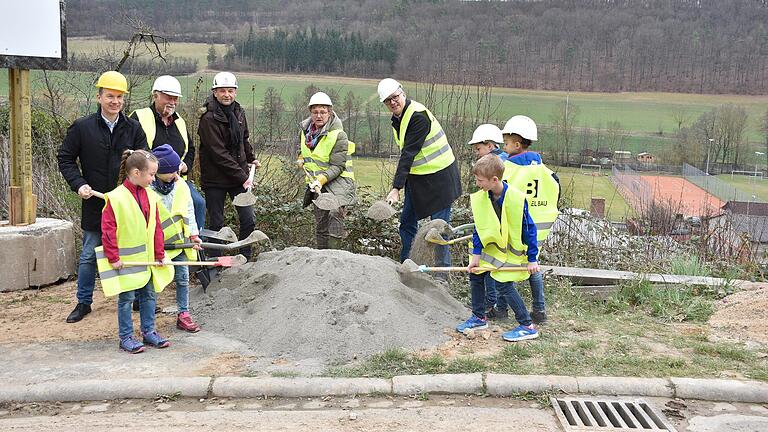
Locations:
column 684, row 196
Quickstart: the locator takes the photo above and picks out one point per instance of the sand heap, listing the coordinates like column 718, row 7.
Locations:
column 332, row 305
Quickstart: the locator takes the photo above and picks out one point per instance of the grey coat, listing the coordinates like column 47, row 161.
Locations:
column 342, row 187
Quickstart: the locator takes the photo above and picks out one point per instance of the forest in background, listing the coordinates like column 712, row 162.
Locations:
column 693, row 46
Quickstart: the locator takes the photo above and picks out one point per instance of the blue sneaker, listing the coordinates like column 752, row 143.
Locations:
column 154, row 339
column 521, row 333
column 131, row 345
column 474, row 323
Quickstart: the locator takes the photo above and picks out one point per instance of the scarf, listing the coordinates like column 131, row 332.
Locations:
column 234, row 129
column 162, row 187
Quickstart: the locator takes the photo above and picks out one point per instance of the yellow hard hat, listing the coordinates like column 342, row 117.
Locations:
column 113, row 80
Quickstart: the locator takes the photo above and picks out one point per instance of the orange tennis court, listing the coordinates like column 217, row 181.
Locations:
column 683, row 196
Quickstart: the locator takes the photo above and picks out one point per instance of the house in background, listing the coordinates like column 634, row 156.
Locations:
column 741, row 230
column 645, row 157
column 622, row 156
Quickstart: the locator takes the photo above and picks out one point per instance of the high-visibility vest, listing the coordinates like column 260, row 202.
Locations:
column 502, row 239
column 175, row 222
column 135, row 242
column 317, row 160
column 540, row 189
column 435, row 153
column 148, row 123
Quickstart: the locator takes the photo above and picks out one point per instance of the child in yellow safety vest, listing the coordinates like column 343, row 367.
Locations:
column 504, row 238
column 177, row 216
column 132, row 233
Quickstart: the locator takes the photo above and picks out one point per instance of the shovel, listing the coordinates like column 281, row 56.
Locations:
column 224, row 261
column 325, row 200
column 433, row 236
column 246, row 198
column 254, row 237
column 381, row 210
column 408, row 266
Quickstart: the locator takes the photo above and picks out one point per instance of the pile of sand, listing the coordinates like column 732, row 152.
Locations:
column 743, row 316
column 332, row 305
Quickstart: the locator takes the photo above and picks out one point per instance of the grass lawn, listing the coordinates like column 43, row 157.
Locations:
column 584, row 337
column 748, row 184
column 578, row 190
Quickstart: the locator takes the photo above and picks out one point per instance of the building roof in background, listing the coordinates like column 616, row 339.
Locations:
column 744, row 208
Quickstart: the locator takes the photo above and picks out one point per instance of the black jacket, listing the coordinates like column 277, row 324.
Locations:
column 220, row 168
column 99, row 152
column 431, row 192
column 171, row 135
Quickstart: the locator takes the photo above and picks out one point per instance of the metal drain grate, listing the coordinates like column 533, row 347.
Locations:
column 604, row 415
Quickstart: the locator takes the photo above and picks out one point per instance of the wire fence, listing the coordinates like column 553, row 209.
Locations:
column 632, row 187
column 715, row 186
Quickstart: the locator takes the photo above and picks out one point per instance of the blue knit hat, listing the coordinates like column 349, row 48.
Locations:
column 167, row 159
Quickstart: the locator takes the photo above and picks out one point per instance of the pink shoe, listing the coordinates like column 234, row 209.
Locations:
column 184, row 322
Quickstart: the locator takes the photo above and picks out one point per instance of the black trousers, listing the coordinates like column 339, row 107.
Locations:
column 214, row 204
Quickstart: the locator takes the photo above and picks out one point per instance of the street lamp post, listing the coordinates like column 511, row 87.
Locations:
column 708, row 147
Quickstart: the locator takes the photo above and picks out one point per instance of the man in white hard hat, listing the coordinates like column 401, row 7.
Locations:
column 89, row 160
column 163, row 125
column 525, row 171
column 226, row 155
column 426, row 169
column 325, row 153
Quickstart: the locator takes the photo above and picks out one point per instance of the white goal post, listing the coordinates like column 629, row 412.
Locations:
column 585, row 168
column 756, row 174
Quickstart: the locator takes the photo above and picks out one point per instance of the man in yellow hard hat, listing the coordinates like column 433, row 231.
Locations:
column 89, row 159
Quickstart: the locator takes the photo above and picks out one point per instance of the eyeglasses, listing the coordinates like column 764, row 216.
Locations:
column 389, row 100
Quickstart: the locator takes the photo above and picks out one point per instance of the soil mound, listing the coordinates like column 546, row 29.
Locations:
column 743, row 316
column 332, row 305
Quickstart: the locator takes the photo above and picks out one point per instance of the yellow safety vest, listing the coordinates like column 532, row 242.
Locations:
column 540, row 189
column 435, row 153
column 135, row 242
column 175, row 222
column 147, row 120
column 317, row 160
column 502, row 240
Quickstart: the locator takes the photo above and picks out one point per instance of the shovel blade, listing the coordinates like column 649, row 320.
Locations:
column 244, row 199
column 433, row 236
column 225, row 234
column 327, row 201
column 231, row 261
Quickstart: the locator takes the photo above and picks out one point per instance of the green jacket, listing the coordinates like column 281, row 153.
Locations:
column 342, row 187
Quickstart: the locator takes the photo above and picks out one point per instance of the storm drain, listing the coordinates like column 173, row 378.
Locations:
column 602, row 415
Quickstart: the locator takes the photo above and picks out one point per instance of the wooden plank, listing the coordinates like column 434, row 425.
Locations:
column 20, row 125
column 588, row 276
column 15, row 213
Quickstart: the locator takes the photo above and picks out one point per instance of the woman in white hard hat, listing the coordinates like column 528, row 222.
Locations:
column 426, row 169
column 325, row 154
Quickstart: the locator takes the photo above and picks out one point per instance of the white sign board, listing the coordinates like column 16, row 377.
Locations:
column 32, row 29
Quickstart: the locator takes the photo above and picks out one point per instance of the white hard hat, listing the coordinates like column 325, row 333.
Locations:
column 320, row 98
column 387, row 87
column 168, row 85
column 521, row 125
column 224, row 79
column 486, row 132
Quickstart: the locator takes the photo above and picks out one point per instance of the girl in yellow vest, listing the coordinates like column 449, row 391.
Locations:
column 177, row 216
column 505, row 236
column 131, row 231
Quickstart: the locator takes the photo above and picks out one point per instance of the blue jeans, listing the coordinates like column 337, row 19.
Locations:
column 86, row 269
column 491, row 296
column 199, row 202
column 508, row 292
column 409, row 225
column 147, row 302
column 181, row 277
column 536, row 281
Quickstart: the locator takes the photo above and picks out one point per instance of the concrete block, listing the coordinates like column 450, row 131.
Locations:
column 446, row 383
column 721, row 390
column 38, row 254
column 507, row 385
column 72, row 391
column 298, row 387
column 650, row 387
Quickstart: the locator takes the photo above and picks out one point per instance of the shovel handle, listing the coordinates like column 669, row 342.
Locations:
column 251, row 173
column 459, row 239
column 97, row 194
column 464, row 269
column 173, row 263
column 204, row 245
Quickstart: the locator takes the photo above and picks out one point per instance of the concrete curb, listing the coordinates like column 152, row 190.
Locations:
column 493, row 384
column 72, row 391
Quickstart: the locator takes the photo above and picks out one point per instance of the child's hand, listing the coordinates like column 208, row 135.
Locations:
column 197, row 241
column 164, row 262
column 473, row 263
column 533, row 267
column 117, row 265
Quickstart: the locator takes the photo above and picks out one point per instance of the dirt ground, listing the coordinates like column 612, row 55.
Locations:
column 38, row 315
column 743, row 316
column 693, row 200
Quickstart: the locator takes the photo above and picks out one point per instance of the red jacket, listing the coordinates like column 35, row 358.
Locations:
column 109, row 225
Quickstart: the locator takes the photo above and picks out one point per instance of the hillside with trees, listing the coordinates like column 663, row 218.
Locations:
column 697, row 46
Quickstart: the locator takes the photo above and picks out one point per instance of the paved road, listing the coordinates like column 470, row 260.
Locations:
column 435, row 413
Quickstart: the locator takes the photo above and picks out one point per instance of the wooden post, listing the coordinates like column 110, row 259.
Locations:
column 24, row 207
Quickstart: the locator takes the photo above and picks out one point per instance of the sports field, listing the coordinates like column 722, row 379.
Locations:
column 748, row 184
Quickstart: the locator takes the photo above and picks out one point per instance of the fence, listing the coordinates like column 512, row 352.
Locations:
column 632, row 187
column 715, row 186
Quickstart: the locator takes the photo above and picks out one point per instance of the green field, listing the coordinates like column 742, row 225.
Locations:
column 748, row 184
column 578, row 189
